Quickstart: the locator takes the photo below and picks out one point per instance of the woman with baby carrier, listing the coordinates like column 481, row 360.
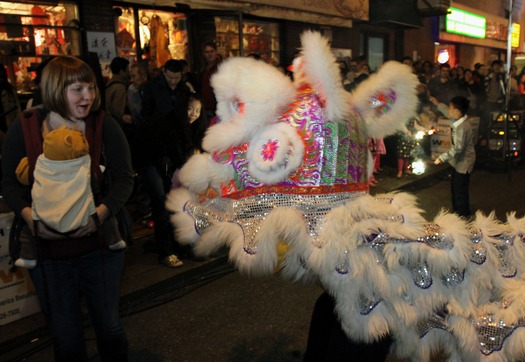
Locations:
column 78, row 262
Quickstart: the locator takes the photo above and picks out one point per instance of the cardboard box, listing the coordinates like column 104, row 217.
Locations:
column 17, row 294
column 6, row 219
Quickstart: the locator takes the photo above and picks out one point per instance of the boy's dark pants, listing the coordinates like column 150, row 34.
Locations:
column 460, row 195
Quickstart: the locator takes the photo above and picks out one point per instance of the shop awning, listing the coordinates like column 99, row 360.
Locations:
column 395, row 13
column 324, row 12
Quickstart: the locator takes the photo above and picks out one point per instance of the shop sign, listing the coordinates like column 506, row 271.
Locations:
column 103, row 44
column 466, row 23
column 497, row 30
column 515, row 35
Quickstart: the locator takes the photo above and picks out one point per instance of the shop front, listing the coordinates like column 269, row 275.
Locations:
column 32, row 32
column 239, row 28
column 143, row 33
column 468, row 36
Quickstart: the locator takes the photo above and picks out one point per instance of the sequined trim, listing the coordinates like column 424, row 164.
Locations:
column 318, row 190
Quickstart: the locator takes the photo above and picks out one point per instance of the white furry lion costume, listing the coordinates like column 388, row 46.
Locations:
column 288, row 167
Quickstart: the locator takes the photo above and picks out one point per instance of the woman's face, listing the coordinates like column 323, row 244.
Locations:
column 194, row 110
column 80, row 97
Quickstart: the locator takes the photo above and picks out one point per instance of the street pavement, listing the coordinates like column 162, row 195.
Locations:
column 206, row 311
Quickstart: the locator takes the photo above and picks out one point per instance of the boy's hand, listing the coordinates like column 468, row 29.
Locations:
column 437, row 161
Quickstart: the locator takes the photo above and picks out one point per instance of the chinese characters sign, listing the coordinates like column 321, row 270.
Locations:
column 103, row 44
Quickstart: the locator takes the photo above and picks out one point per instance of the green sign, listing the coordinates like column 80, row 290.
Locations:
column 465, row 23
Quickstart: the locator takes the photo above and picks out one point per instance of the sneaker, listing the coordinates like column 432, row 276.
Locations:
column 172, row 261
column 118, row 246
column 25, row 263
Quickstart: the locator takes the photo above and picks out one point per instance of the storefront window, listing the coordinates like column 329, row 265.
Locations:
column 162, row 35
column 258, row 37
column 31, row 32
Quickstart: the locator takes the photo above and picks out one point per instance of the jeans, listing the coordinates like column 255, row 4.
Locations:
column 156, row 187
column 460, row 193
column 59, row 284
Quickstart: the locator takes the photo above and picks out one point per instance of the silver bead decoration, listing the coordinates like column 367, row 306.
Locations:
column 367, row 304
column 251, row 211
column 453, row 278
column 437, row 320
column 421, row 275
column 435, row 238
column 492, row 333
column 479, row 252
column 505, row 267
column 343, row 265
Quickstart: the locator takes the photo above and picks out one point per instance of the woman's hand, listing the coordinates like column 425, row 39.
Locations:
column 41, row 229
column 101, row 213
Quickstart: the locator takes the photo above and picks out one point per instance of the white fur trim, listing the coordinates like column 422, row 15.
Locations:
column 264, row 91
column 391, row 76
column 322, row 73
column 201, row 172
column 184, row 230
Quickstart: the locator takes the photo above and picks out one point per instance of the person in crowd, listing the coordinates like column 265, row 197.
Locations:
column 513, row 79
column 343, row 68
column 10, row 105
column 407, row 60
column 153, row 71
column 474, row 90
column 494, row 102
column 520, row 98
column 479, row 72
column 363, row 72
column 117, row 92
column 75, row 263
column 138, row 74
column 255, row 56
column 454, row 74
column 162, row 142
column 379, row 150
column 197, row 121
column 162, row 95
column 462, row 155
column 460, row 71
column 427, row 72
column 353, row 69
column 212, row 60
column 442, row 86
column 405, row 146
column 187, row 76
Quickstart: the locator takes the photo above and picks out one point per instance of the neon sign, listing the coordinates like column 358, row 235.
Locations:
column 465, row 23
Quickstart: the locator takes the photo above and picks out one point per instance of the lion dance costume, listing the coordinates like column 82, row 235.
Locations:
column 286, row 173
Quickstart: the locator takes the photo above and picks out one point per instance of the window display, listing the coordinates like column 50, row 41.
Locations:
column 31, row 32
column 258, row 37
column 162, row 35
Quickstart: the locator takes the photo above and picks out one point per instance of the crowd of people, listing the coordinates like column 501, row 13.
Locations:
column 485, row 86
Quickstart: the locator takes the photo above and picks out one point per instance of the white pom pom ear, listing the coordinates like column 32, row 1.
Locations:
column 275, row 153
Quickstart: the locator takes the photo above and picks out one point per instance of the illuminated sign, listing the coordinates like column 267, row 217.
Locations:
column 466, row 23
column 515, row 35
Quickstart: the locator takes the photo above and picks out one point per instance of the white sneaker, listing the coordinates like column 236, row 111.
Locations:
column 118, row 246
column 25, row 263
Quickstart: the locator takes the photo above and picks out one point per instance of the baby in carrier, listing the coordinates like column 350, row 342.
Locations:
column 63, row 172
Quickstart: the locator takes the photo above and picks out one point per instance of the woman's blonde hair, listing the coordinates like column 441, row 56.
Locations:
column 57, row 75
